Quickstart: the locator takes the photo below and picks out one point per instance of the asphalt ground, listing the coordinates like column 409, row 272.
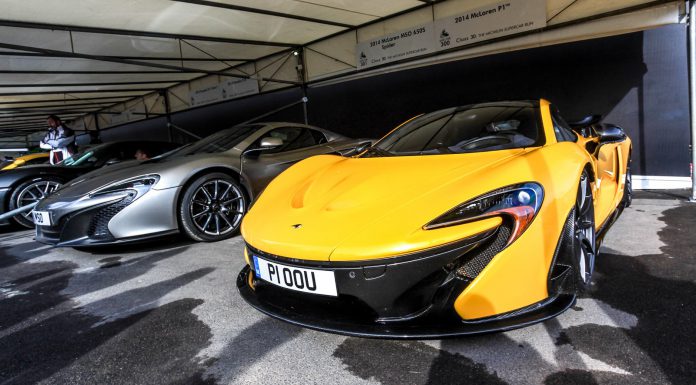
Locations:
column 168, row 312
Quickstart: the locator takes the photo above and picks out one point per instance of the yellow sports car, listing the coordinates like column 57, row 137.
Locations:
column 466, row 220
column 36, row 158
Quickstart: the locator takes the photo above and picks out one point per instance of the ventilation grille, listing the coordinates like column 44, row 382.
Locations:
column 472, row 268
column 99, row 225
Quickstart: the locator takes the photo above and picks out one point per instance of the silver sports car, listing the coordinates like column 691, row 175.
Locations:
column 202, row 189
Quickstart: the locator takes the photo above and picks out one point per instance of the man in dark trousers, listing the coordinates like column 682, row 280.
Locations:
column 59, row 139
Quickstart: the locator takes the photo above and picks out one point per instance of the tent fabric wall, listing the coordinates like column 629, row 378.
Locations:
column 637, row 80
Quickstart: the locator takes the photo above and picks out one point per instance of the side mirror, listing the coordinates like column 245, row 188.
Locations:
column 586, row 121
column 355, row 150
column 362, row 147
column 271, row 142
column 584, row 125
column 610, row 133
column 267, row 143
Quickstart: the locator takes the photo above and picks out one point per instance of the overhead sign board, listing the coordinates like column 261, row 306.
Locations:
column 229, row 89
column 468, row 27
column 489, row 22
column 396, row 46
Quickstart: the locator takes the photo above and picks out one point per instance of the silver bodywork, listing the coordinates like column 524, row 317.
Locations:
column 154, row 212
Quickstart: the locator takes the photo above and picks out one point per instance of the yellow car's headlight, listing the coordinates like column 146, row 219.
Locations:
column 519, row 203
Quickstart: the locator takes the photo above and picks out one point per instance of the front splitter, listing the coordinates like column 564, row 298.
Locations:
column 420, row 328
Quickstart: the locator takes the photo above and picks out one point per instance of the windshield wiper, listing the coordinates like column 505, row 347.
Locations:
column 372, row 152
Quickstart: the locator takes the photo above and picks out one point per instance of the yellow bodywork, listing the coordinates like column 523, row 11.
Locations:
column 358, row 209
column 21, row 160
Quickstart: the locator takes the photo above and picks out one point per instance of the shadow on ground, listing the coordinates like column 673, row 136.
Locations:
column 44, row 336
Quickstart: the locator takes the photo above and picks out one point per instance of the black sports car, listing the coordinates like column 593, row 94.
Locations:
column 26, row 185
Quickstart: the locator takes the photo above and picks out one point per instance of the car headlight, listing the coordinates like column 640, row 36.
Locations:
column 519, row 202
column 137, row 185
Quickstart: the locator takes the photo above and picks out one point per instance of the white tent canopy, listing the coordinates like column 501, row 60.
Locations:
column 107, row 62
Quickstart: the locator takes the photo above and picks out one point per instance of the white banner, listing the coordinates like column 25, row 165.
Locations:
column 206, row 95
column 495, row 20
column 396, row 46
column 235, row 88
column 229, row 89
column 500, row 19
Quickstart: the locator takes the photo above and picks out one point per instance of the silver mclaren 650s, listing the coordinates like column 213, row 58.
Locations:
column 203, row 189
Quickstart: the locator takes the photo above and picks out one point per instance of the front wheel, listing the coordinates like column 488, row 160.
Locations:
column 628, row 186
column 584, row 245
column 28, row 192
column 212, row 207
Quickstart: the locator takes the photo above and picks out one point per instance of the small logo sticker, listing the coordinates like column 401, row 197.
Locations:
column 363, row 59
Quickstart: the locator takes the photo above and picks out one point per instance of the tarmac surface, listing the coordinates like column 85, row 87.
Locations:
column 168, row 312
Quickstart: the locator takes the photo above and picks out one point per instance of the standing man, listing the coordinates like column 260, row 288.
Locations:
column 59, row 139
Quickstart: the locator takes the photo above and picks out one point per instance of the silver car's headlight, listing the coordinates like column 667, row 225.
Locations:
column 520, row 203
column 138, row 185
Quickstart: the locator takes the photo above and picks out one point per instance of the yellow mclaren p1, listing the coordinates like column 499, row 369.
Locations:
column 466, row 220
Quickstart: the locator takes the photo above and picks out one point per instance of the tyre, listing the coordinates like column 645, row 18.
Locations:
column 628, row 187
column 584, row 243
column 31, row 191
column 212, row 207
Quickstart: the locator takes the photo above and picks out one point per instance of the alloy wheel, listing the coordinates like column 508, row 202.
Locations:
column 217, row 207
column 585, row 237
column 34, row 192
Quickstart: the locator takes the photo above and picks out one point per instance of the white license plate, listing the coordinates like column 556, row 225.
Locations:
column 296, row 278
column 41, row 218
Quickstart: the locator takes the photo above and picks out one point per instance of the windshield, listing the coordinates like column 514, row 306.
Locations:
column 90, row 155
column 475, row 128
column 218, row 142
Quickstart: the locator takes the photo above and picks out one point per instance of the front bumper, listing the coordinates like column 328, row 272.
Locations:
column 119, row 218
column 406, row 297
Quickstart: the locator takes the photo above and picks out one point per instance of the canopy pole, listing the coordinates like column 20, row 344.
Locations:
column 692, row 92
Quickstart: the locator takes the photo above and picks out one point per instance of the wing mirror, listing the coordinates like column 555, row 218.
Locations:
column 584, row 125
column 610, row 133
column 270, row 142
column 267, row 143
column 361, row 147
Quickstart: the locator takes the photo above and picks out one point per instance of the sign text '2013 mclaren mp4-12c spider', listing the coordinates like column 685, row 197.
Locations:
column 202, row 190
column 468, row 220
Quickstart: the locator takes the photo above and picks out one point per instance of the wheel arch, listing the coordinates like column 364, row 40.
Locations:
column 590, row 171
column 246, row 189
column 27, row 178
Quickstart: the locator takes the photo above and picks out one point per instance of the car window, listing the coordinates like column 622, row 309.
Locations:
column 474, row 128
column 218, row 142
column 124, row 151
column 420, row 138
column 319, row 136
column 562, row 130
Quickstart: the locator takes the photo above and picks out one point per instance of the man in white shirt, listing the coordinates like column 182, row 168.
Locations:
column 59, row 139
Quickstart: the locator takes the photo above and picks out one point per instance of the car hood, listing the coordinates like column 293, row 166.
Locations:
column 329, row 208
column 172, row 173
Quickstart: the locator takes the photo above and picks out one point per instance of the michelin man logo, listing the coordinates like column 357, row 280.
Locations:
column 363, row 59
column 444, row 39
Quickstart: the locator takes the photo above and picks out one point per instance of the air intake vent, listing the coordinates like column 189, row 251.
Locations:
column 481, row 257
column 99, row 225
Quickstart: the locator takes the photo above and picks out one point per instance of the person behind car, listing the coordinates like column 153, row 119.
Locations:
column 141, row 154
column 60, row 139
